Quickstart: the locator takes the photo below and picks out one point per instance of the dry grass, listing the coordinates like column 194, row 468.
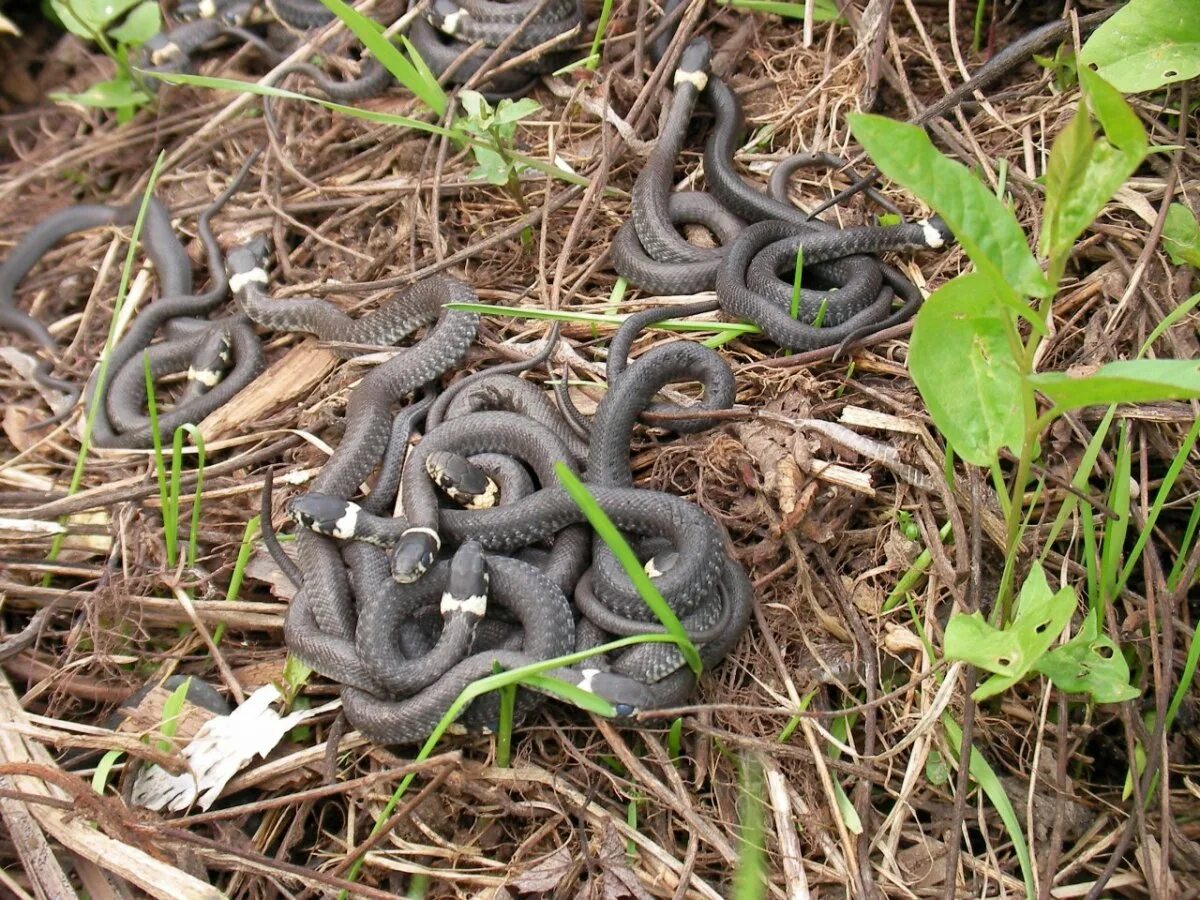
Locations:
column 356, row 210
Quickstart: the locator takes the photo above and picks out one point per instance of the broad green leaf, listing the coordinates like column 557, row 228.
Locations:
column 962, row 361
column 139, row 26
column 475, row 105
column 971, row 639
column 1089, row 663
column 1124, row 381
column 1181, row 236
column 983, row 775
column 492, row 166
column 1147, row 44
column 510, row 111
column 984, row 226
column 112, row 94
column 1086, row 170
column 1010, row 654
column 573, row 694
column 412, row 77
column 937, row 772
column 823, row 10
column 87, row 17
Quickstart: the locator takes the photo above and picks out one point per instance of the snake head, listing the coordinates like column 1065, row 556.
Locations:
column 414, row 554
column 628, row 696
column 462, row 480
column 325, row 515
column 235, row 12
column 468, row 585
column 661, row 563
column 937, row 232
column 693, row 63
column 444, row 15
column 160, row 52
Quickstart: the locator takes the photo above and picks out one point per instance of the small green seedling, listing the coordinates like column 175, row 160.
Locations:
column 494, row 130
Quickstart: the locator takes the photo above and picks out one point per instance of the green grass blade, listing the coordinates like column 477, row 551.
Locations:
column 593, row 57
column 749, row 878
column 1080, row 480
column 170, row 511
column 104, row 770
column 106, row 354
column 194, row 528
column 613, row 538
column 1113, row 542
column 1185, row 546
column 688, row 325
column 823, row 10
column 424, row 87
column 524, row 675
column 239, row 571
column 983, row 775
column 1169, row 319
column 1160, row 500
column 172, row 709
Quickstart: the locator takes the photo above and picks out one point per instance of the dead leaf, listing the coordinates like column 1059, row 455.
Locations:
column 548, row 875
column 620, row 882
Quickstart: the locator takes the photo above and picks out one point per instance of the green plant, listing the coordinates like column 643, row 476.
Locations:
column 169, row 488
column 1146, row 44
column 973, row 352
column 410, row 70
column 494, row 130
column 118, row 27
column 172, row 709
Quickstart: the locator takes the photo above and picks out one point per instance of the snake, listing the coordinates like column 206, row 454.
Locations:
column 855, row 291
column 172, row 51
column 170, row 260
column 121, row 420
column 699, row 574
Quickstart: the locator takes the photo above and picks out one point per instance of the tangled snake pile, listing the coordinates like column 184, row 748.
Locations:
column 491, row 563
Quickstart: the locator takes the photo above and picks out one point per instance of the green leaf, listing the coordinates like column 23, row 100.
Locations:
column 1090, row 663
column 985, row 227
column 823, row 10
column 983, row 775
column 492, row 167
column 937, row 773
column 961, row 359
column 112, row 94
column 1085, row 171
column 139, row 26
column 573, row 694
column 1146, row 44
column 510, row 111
column 1181, row 236
column 1124, row 381
column 476, row 107
column 172, row 707
column 87, row 17
column 1010, row 654
column 104, row 769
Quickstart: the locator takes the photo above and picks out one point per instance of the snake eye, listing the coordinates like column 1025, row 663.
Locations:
column 624, row 710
